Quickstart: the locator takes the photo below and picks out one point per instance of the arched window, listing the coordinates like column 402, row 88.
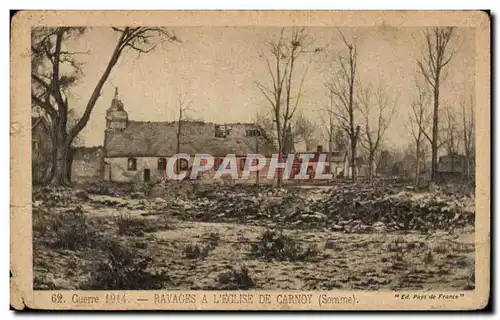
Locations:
column 183, row 164
column 162, row 164
column 132, row 164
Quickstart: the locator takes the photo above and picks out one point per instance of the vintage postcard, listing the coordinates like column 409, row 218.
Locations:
column 250, row 160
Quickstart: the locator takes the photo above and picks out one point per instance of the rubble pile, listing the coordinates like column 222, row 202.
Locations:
column 52, row 196
column 352, row 208
column 343, row 207
column 226, row 205
column 360, row 212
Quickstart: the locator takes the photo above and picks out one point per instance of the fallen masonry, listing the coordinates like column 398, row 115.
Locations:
column 349, row 208
column 346, row 208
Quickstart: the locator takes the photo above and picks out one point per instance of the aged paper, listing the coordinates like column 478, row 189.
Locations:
column 250, row 160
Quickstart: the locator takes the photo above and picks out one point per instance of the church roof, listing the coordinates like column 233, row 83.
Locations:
column 158, row 139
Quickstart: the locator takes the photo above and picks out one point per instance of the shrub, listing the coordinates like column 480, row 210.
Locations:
column 203, row 190
column 123, row 271
column 111, row 188
column 45, row 222
column 333, row 244
column 397, row 245
column 235, row 280
column 196, row 251
column 275, row 245
column 213, row 239
column 428, row 257
column 72, row 231
column 127, row 225
column 330, row 244
column 441, row 248
column 99, row 189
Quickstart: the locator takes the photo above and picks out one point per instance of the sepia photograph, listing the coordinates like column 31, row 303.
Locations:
column 288, row 158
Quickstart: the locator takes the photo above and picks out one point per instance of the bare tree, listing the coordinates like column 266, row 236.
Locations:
column 452, row 136
column 331, row 129
column 437, row 54
column 284, row 94
column 377, row 110
column 418, row 126
column 305, row 130
column 328, row 123
column 51, row 80
column 266, row 125
column 468, row 129
column 341, row 87
column 182, row 118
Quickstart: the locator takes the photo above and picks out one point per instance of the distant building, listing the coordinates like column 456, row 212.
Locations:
column 361, row 166
column 41, row 149
column 335, row 163
column 136, row 151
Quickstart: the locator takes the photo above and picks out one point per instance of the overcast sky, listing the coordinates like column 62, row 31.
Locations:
column 217, row 69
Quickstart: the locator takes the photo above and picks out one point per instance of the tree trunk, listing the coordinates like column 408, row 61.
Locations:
column 468, row 163
column 353, row 160
column 417, row 169
column 435, row 132
column 279, row 177
column 371, row 160
column 452, row 161
column 61, row 165
column 257, row 152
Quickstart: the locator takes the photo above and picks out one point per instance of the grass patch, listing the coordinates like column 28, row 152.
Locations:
column 441, row 248
column 196, row 251
column 332, row 244
column 274, row 245
column 124, row 270
column 397, row 245
column 131, row 226
column 69, row 230
column 235, row 279
column 213, row 239
column 428, row 258
column 201, row 251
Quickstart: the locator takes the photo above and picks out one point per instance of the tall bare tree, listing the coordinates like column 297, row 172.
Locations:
column 437, row 54
column 469, row 139
column 51, row 80
column 182, row 118
column 342, row 87
column 328, row 122
column 284, row 93
column 451, row 135
column 419, row 119
column 377, row 109
column 331, row 130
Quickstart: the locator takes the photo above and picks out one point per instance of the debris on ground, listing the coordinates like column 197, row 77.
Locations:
column 343, row 207
column 352, row 208
column 190, row 236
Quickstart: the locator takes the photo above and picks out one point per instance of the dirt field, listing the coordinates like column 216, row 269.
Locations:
column 90, row 240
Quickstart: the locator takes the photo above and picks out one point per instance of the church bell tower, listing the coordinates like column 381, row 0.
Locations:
column 116, row 116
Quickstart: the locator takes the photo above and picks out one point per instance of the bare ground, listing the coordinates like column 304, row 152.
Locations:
column 373, row 260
